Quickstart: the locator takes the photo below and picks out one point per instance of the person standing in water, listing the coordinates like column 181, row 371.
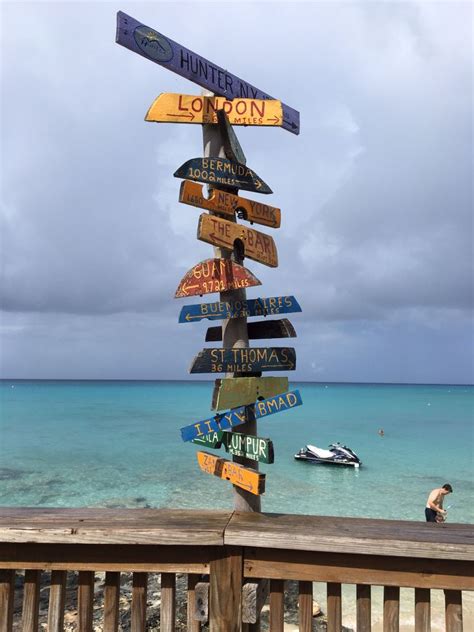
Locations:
column 434, row 511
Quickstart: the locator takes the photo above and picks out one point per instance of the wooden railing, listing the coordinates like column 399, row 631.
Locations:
column 226, row 550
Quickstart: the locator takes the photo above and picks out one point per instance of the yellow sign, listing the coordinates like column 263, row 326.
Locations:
column 184, row 108
column 240, row 391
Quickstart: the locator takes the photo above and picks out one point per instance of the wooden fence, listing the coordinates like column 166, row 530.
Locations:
column 227, row 549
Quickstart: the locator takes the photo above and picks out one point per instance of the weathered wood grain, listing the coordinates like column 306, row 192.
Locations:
column 249, row 360
column 193, row 625
column 169, row 107
column 226, row 203
column 334, row 607
column 222, row 310
column 259, row 330
column 139, row 596
column 243, row 477
column 453, row 610
column 364, row 608
column 277, row 605
column 31, row 593
column 168, row 602
column 241, row 391
column 225, row 594
column 422, row 610
column 305, row 606
column 7, row 593
column 391, row 609
column 215, row 275
column 85, row 601
column 224, row 234
column 57, row 595
column 222, row 172
column 111, row 601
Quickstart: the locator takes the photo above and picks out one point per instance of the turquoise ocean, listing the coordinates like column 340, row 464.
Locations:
column 117, row 443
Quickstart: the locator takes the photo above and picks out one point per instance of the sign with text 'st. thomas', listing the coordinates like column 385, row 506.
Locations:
column 162, row 50
column 245, row 360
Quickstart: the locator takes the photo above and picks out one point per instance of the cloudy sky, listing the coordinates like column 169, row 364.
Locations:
column 376, row 193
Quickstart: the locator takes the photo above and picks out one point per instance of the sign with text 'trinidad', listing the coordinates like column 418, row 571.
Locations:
column 164, row 51
column 215, row 275
column 221, row 310
column 222, row 172
column 183, row 108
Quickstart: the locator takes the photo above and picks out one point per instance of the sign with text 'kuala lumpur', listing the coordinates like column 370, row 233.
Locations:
column 164, row 51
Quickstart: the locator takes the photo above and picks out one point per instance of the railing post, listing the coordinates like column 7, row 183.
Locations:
column 225, row 590
column 453, row 606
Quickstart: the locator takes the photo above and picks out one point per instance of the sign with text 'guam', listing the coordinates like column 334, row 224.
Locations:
column 183, row 108
column 250, row 447
column 222, row 172
column 223, row 234
column 239, row 309
column 238, row 416
column 246, row 360
column 215, row 275
column 229, row 204
column 162, row 50
column 244, row 477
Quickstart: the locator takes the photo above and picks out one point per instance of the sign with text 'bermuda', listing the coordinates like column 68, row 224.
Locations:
column 238, row 416
column 222, row 172
column 162, row 50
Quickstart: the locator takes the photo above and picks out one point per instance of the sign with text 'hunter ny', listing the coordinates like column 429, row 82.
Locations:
column 164, row 51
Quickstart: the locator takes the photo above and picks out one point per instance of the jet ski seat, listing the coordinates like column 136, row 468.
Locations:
column 319, row 452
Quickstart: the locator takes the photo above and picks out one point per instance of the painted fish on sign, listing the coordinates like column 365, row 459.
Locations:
column 239, row 309
column 247, row 360
column 238, row 475
column 222, row 172
column 259, row 330
column 223, row 234
column 160, row 49
column 183, row 108
column 229, row 204
column 238, row 391
column 215, row 275
column 250, row 447
column 239, row 416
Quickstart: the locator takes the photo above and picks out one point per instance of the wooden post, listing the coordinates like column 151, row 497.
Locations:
column 225, row 594
column 234, row 330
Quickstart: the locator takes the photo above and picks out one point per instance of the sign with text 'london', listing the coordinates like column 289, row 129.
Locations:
column 221, row 310
column 244, row 477
column 185, row 108
column 229, row 204
column 162, row 50
column 250, row 447
column 246, row 360
column 223, row 234
column 215, row 275
column 222, row 172
column 238, row 416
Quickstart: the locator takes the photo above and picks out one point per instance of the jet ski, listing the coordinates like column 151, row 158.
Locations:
column 337, row 454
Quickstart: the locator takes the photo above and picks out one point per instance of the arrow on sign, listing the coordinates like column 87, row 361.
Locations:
column 238, row 309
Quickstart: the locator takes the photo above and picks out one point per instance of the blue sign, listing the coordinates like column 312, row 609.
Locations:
column 238, row 309
column 237, row 416
column 149, row 43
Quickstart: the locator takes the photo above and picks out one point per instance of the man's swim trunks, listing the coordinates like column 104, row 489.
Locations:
column 430, row 514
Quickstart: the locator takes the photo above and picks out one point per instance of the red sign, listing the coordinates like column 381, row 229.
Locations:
column 215, row 275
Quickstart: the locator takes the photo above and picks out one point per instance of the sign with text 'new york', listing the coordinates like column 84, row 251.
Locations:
column 239, row 309
column 238, row 416
column 164, row 51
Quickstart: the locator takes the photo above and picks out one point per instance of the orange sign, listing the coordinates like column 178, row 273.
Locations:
column 222, row 233
column 184, row 108
column 244, row 477
column 215, row 275
column 228, row 204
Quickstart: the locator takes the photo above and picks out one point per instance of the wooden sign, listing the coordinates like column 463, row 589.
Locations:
column 255, row 448
column 184, row 108
column 162, row 50
column 239, row 309
column 244, row 477
column 259, row 330
column 247, row 360
column 239, row 391
column 215, row 275
column 222, row 172
column 222, row 233
column 232, row 148
column 238, row 416
column 228, row 204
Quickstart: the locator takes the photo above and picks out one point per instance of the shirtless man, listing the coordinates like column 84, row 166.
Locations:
column 434, row 511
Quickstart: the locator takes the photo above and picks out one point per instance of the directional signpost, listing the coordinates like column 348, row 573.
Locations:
column 237, row 391
column 222, row 172
column 243, row 477
column 259, row 330
column 238, row 444
column 215, row 275
column 223, row 310
column 249, row 360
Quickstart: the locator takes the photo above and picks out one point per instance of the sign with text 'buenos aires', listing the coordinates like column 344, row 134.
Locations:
column 222, row 172
column 220, row 310
column 223, row 234
column 215, row 275
column 244, row 360
column 239, row 416
column 228, row 204
column 186, row 108
column 164, row 51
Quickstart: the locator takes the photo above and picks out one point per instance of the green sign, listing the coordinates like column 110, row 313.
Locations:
column 238, row 444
